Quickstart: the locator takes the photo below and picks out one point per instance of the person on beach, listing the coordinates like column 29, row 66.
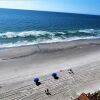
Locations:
column 47, row 92
column 70, row 71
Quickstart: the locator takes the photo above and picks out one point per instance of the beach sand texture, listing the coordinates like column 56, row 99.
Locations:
column 19, row 65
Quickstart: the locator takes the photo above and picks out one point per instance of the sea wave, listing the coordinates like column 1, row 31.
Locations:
column 14, row 39
column 23, row 34
column 91, row 31
column 52, row 34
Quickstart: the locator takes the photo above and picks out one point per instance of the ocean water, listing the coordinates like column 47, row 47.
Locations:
column 24, row 27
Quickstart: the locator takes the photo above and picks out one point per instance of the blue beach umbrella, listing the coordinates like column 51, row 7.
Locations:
column 54, row 74
column 36, row 80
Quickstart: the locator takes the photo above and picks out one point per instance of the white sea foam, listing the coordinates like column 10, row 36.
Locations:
column 23, row 34
column 89, row 31
column 38, row 33
column 92, row 31
column 45, row 40
column 24, row 43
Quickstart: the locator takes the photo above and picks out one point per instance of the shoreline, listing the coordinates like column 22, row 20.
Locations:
column 28, row 50
column 59, row 42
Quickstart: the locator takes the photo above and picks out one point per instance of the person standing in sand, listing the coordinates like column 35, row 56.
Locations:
column 47, row 92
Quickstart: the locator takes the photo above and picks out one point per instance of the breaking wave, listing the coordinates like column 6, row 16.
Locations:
column 13, row 39
column 83, row 32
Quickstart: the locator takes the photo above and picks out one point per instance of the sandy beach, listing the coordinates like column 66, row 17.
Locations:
column 19, row 65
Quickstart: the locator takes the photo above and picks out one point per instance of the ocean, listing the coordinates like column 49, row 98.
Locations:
column 27, row 27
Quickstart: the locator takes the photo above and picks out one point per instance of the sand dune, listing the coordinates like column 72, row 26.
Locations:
column 20, row 64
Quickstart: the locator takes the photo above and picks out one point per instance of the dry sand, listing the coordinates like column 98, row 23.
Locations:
column 20, row 64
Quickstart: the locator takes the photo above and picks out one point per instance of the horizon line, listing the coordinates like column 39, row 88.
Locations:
column 52, row 11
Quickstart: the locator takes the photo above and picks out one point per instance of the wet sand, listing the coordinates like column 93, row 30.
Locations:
column 20, row 64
